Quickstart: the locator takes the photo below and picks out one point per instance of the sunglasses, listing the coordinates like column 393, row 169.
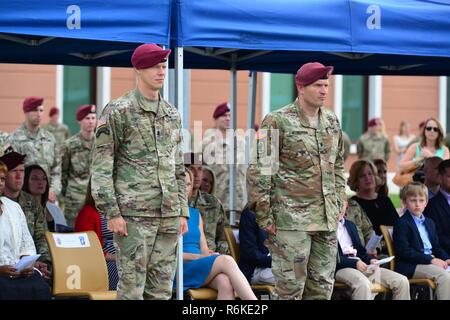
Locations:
column 435, row 129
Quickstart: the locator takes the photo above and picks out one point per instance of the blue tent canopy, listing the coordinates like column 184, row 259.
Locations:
column 80, row 32
column 404, row 37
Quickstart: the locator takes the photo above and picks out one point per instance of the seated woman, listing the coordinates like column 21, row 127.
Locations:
column 382, row 186
column 36, row 184
column 208, row 180
column 255, row 261
column 204, row 268
column 378, row 207
column 16, row 242
column 89, row 219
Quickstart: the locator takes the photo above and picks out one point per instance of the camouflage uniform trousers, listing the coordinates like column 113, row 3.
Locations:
column 303, row 264
column 146, row 258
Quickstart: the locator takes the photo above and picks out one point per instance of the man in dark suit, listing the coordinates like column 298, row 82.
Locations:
column 438, row 208
column 417, row 249
column 352, row 267
column 255, row 261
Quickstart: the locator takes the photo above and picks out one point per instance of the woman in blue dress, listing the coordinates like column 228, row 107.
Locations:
column 205, row 268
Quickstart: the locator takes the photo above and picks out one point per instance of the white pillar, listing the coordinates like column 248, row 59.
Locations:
column 337, row 97
column 375, row 96
column 443, row 102
column 103, row 87
column 60, row 90
column 265, row 101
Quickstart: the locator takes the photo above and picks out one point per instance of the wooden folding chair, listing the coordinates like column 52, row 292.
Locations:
column 386, row 231
column 235, row 253
column 79, row 268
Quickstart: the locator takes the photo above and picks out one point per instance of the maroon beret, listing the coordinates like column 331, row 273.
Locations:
column 12, row 159
column 373, row 122
column 53, row 111
column 32, row 103
column 311, row 72
column 221, row 109
column 84, row 110
column 148, row 55
column 256, row 127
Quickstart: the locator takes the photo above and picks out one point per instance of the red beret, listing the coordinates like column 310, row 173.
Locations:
column 32, row 103
column 256, row 127
column 12, row 159
column 148, row 55
column 53, row 111
column 373, row 122
column 221, row 109
column 311, row 72
column 84, row 110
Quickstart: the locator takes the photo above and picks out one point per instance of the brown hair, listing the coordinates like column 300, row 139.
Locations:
column 402, row 125
column 381, row 188
column 89, row 199
column 3, row 168
column 26, row 185
column 413, row 189
column 440, row 138
column 355, row 172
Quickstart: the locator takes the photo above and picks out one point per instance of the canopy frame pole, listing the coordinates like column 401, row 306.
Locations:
column 232, row 164
column 251, row 116
column 179, row 104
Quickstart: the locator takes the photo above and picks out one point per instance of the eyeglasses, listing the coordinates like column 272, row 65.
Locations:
column 435, row 129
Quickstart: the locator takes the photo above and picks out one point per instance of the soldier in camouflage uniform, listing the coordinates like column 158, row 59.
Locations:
column 213, row 215
column 38, row 144
column 347, row 144
column 356, row 214
column 298, row 204
column 217, row 154
column 59, row 130
column 34, row 212
column 374, row 144
column 3, row 139
column 139, row 180
column 75, row 163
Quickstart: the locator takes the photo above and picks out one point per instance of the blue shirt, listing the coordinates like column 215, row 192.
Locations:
column 431, row 194
column 446, row 196
column 420, row 223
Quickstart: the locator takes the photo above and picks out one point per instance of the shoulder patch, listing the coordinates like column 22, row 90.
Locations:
column 103, row 135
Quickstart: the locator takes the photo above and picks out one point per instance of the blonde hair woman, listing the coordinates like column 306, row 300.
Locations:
column 402, row 140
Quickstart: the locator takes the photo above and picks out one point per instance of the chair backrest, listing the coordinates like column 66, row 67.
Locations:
column 387, row 235
column 232, row 243
column 79, row 265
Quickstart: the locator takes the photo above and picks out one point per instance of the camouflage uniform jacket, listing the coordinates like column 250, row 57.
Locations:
column 37, row 225
column 306, row 192
column 347, row 145
column 357, row 215
column 40, row 149
column 60, row 132
column 75, row 164
column 220, row 150
column 137, row 164
column 373, row 147
column 214, row 220
column 3, row 139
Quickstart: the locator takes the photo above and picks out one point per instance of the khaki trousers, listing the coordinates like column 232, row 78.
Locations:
column 361, row 285
column 439, row 275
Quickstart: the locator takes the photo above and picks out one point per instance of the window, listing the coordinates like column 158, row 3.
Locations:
column 354, row 105
column 79, row 89
column 282, row 90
